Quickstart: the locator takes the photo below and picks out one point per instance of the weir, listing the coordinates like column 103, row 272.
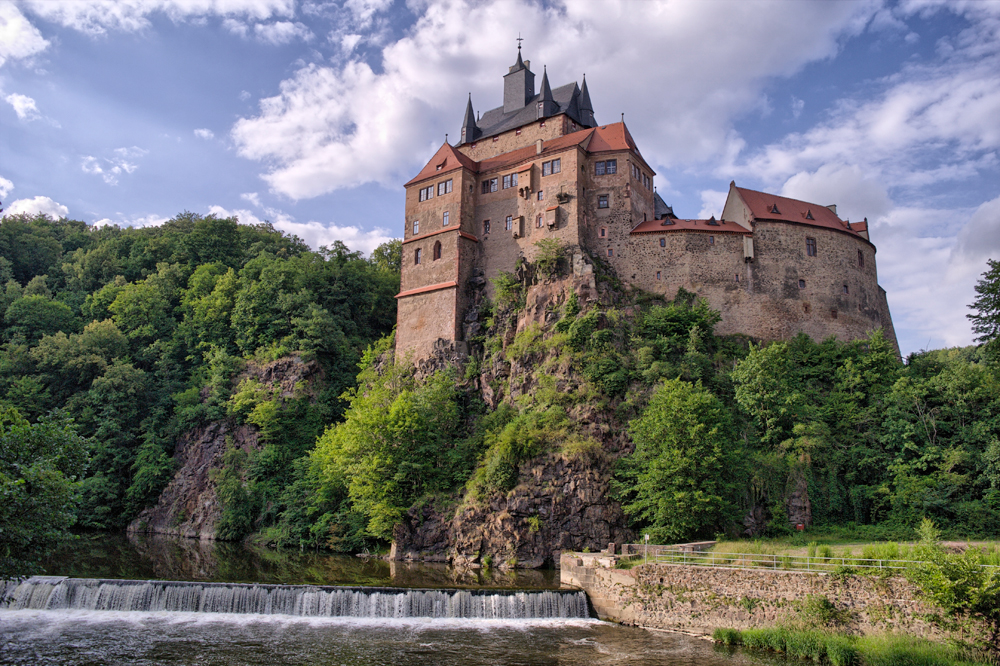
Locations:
column 57, row 593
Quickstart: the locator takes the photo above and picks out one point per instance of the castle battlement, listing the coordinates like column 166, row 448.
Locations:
column 540, row 167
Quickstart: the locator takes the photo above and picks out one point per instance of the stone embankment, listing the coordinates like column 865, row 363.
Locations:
column 699, row 599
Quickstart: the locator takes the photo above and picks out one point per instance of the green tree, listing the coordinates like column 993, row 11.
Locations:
column 678, row 482
column 40, row 465
column 30, row 317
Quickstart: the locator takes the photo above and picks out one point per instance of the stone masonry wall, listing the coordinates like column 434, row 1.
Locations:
column 698, row 599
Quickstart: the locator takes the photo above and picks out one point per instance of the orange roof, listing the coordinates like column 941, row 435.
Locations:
column 614, row 137
column 658, row 227
column 444, row 160
column 766, row 206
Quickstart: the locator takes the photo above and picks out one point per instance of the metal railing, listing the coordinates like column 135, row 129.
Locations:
column 674, row 555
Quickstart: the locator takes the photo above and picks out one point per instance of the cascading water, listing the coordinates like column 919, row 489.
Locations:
column 53, row 593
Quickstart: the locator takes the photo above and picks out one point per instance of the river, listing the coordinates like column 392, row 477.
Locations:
column 497, row 629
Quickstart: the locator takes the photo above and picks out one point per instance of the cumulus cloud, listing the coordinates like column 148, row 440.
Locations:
column 712, row 203
column 37, row 205
column 316, row 234
column 5, row 186
column 204, row 133
column 96, row 17
column 980, row 237
column 282, row 32
column 24, row 106
column 18, row 38
column 856, row 196
column 334, row 127
column 252, row 197
column 110, row 168
column 151, row 220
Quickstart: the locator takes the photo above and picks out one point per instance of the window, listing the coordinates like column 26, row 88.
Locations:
column 846, row 290
column 606, row 167
column 602, row 200
column 811, row 247
column 445, row 187
column 509, row 223
column 486, row 226
column 802, row 284
column 604, row 232
column 541, row 194
column 657, row 275
column 426, row 192
column 611, row 252
column 663, row 242
column 437, row 251
column 518, row 132
column 444, row 219
column 416, row 256
column 551, row 167
column 510, row 180
column 646, row 181
column 833, row 314
column 489, row 185
column 861, row 259
column 542, row 124
column 737, row 277
column 711, row 240
column 539, row 221
column 495, row 139
column 416, row 227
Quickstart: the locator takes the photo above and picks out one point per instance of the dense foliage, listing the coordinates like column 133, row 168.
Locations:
column 139, row 334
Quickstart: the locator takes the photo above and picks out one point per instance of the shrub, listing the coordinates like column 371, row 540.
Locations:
column 728, row 637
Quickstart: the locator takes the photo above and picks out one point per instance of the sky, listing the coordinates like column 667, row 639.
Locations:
column 312, row 114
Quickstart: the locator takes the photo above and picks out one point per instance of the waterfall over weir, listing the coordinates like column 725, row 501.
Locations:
column 56, row 593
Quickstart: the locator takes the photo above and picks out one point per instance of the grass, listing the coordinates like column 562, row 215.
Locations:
column 840, row 650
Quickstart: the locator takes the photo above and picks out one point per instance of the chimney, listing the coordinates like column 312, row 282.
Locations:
column 833, row 207
column 538, row 147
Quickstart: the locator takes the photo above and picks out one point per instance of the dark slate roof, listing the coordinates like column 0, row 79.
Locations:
column 660, row 208
column 495, row 121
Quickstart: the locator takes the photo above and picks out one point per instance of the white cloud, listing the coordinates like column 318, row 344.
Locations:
column 282, row 32
column 37, row 205
column 24, row 106
column 151, row 220
column 797, row 106
column 5, row 186
column 204, row 133
column 316, row 234
column 95, row 17
column 110, row 168
column 236, row 27
column 712, row 203
column 252, row 197
column 855, row 195
column 335, row 127
column 18, row 38
column 980, row 238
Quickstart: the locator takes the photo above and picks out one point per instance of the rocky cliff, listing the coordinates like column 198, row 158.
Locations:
column 562, row 501
column 189, row 506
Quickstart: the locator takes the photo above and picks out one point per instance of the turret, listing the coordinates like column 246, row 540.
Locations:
column 546, row 104
column 518, row 85
column 470, row 131
column 586, row 106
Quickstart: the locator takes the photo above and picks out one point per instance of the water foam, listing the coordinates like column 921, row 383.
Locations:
column 79, row 594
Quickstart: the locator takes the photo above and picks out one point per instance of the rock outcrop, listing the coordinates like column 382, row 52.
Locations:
column 189, row 506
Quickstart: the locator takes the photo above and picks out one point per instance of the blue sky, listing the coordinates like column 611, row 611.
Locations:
column 313, row 114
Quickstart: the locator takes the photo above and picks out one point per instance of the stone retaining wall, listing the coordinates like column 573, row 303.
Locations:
column 697, row 599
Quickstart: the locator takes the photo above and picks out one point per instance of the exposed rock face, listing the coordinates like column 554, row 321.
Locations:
column 559, row 504
column 189, row 506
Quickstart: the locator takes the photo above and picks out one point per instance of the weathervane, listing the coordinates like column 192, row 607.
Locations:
column 519, row 40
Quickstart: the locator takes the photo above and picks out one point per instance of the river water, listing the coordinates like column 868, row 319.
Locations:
column 64, row 628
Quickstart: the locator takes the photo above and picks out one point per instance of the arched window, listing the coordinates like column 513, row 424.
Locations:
column 416, row 256
column 437, row 250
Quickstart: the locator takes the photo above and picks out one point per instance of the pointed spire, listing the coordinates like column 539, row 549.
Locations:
column 586, row 106
column 547, row 105
column 520, row 63
column 469, row 127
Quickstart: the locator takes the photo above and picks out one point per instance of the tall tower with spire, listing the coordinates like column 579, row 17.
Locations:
column 518, row 85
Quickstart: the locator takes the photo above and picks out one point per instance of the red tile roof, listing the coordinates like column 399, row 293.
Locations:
column 657, row 227
column 762, row 205
column 614, row 137
column 448, row 159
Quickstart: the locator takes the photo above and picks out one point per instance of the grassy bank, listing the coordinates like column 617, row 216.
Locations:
column 840, row 650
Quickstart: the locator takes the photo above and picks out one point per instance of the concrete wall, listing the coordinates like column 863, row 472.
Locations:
column 700, row 599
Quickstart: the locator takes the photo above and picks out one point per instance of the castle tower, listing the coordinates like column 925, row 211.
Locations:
column 518, row 85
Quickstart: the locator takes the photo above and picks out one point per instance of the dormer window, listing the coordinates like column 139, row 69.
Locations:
column 774, row 209
column 809, row 215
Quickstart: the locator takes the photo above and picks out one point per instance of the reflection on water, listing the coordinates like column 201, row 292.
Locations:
column 47, row 637
column 145, row 557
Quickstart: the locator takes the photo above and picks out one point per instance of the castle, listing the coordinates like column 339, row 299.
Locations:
column 540, row 167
